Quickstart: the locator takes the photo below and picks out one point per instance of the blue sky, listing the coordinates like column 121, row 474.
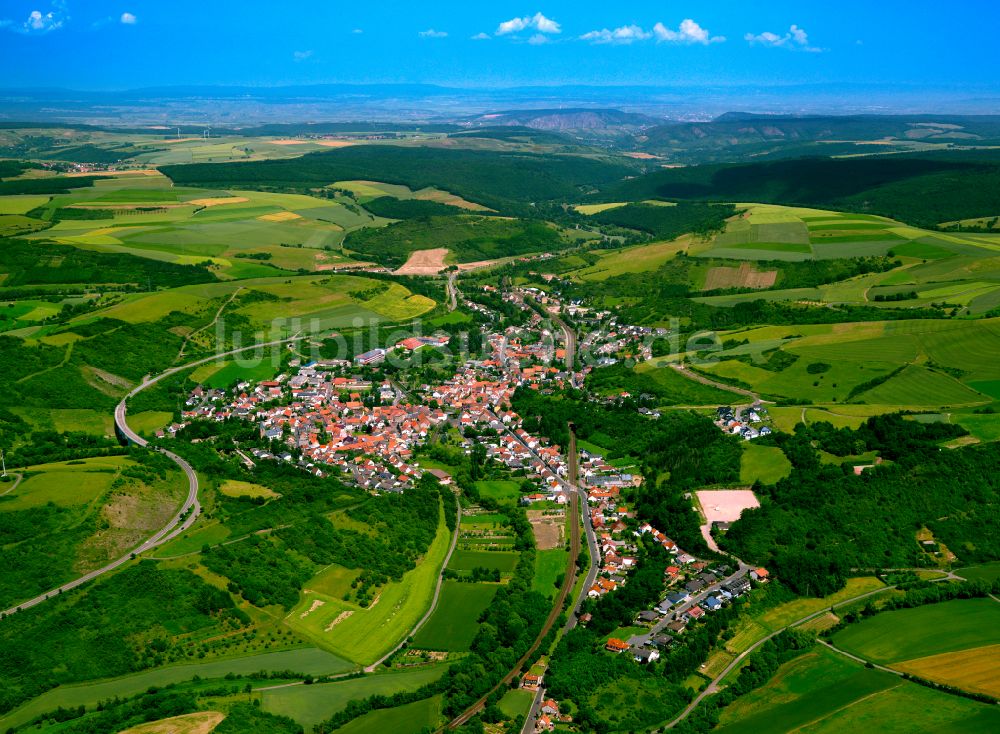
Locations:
column 107, row 44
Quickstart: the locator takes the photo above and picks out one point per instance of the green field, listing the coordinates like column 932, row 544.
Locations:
column 516, row 702
column 307, row 660
column 499, row 490
column 986, row 572
column 466, row 560
column 364, row 635
column 822, row 691
column 766, row 464
column 905, row 634
column 454, row 623
column 550, row 565
column 410, row 718
column 309, row 705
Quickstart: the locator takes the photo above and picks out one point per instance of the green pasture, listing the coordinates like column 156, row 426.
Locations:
column 766, row 464
column 454, row 623
column 365, row 634
column 310, row 705
column 466, row 560
column 499, row 490
column 516, row 702
column 550, row 565
column 904, row 634
column 986, row 572
column 410, row 718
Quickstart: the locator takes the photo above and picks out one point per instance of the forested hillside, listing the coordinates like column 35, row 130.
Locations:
column 502, row 181
column 923, row 191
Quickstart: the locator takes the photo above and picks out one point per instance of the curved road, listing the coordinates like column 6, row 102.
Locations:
column 188, row 511
column 17, row 481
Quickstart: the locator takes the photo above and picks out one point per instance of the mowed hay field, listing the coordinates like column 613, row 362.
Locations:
column 905, row 634
column 309, row 705
column 455, row 621
column 363, row 635
column 823, row 692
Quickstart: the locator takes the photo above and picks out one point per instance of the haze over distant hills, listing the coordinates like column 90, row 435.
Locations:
column 398, row 102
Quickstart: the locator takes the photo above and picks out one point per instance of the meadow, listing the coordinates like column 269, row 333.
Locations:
column 466, row 560
column 455, row 620
column 410, row 718
column 550, row 566
column 309, row 705
column 766, row 464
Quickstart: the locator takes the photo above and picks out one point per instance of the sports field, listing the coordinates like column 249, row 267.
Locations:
column 822, row 691
column 309, row 705
column 365, row 634
column 455, row 621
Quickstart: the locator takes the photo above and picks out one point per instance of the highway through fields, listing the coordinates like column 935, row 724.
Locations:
column 189, row 510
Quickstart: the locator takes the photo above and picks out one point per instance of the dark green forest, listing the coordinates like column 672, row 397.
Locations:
column 508, row 182
column 822, row 520
column 921, row 191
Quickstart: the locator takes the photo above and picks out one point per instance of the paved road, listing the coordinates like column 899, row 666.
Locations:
column 434, row 602
column 536, row 708
column 188, row 512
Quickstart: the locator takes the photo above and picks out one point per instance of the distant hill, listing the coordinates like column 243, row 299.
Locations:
column 569, row 119
column 739, row 134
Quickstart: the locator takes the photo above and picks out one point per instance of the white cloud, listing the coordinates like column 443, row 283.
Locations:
column 624, row 35
column 481, row 37
column 431, row 33
column 129, row 19
column 538, row 39
column 302, row 55
column 688, row 32
column 357, row 31
column 536, row 22
column 796, row 39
